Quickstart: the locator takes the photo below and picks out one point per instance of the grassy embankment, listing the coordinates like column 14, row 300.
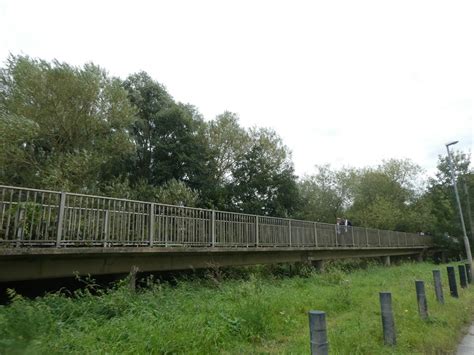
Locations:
column 256, row 313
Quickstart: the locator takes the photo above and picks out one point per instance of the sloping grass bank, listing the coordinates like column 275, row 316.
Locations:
column 258, row 313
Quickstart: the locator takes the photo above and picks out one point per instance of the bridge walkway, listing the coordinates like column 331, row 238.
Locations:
column 51, row 233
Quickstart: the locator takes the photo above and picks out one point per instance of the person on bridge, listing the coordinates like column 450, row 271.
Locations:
column 342, row 222
column 338, row 223
column 347, row 223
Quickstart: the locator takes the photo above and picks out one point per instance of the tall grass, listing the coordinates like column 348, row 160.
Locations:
column 253, row 312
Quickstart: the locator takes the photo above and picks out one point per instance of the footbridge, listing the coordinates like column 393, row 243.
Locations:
column 49, row 234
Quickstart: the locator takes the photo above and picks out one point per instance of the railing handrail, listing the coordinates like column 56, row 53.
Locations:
column 186, row 207
column 29, row 189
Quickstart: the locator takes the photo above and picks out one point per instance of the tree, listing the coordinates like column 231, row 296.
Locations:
column 151, row 101
column 171, row 140
column 325, row 195
column 405, row 173
column 228, row 141
column 263, row 178
column 385, row 197
column 441, row 195
column 389, row 196
column 177, row 193
column 16, row 153
column 68, row 126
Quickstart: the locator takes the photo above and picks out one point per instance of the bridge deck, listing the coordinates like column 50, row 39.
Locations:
column 52, row 234
column 39, row 263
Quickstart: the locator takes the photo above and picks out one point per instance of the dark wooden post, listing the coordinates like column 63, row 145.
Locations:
column 462, row 276
column 388, row 323
column 317, row 333
column 421, row 299
column 438, row 286
column 453, row 288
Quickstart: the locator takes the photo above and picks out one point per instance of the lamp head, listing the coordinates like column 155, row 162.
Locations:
column 451, row 143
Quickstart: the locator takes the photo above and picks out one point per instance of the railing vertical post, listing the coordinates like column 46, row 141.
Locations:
column 62, row 205
column 106, row 227
column 213, row 228
column 19, row 222
column 152, row 223
column 256, row 231
column 437, row 286
column 352, row 235
column 166, row 223
column 367, row 236
column 315, row 235
column 289, row 230
column 380, row 241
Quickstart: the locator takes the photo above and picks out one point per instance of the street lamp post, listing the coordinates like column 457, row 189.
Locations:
column 466, row 241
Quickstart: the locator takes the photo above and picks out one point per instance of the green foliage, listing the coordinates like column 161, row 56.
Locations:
column 78, row 129
column 228, row 140
column 16, row 156
column 255, row 314
column 441, row 196
column 27, row 215
column 263, row 178
column 170, row 140
column 177, row 193
column 325, row 194
column 387, row 197
column 67, row 127
column 379, row 200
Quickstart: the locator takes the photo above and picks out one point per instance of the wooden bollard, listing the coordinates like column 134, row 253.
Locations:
column 453, row 288
column 317, row 333
column 421, row 299
column 438, row 286
column 388, row 323
column 462, row 276
column 468, row 273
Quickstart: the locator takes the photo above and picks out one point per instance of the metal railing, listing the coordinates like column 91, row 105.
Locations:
column 37, row 218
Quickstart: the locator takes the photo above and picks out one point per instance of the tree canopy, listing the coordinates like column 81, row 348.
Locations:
column 80, row 129
column 65, row 127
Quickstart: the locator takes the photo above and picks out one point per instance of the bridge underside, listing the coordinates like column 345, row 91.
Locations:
column 30, row 264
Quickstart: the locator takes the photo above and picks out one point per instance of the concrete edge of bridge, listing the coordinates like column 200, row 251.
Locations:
column 65, row 262
column 24, row 251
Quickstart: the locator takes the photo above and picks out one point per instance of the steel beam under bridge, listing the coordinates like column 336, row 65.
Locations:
column 18, row 264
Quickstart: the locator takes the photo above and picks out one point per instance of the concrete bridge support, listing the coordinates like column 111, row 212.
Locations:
column 318, row 264
column 386, row 260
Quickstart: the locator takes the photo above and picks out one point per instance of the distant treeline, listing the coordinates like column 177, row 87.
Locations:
column 79, row 129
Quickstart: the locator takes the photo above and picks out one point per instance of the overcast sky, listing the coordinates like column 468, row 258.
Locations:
column 343, row 82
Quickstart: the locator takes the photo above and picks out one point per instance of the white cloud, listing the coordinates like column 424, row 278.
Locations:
column 344, row 82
